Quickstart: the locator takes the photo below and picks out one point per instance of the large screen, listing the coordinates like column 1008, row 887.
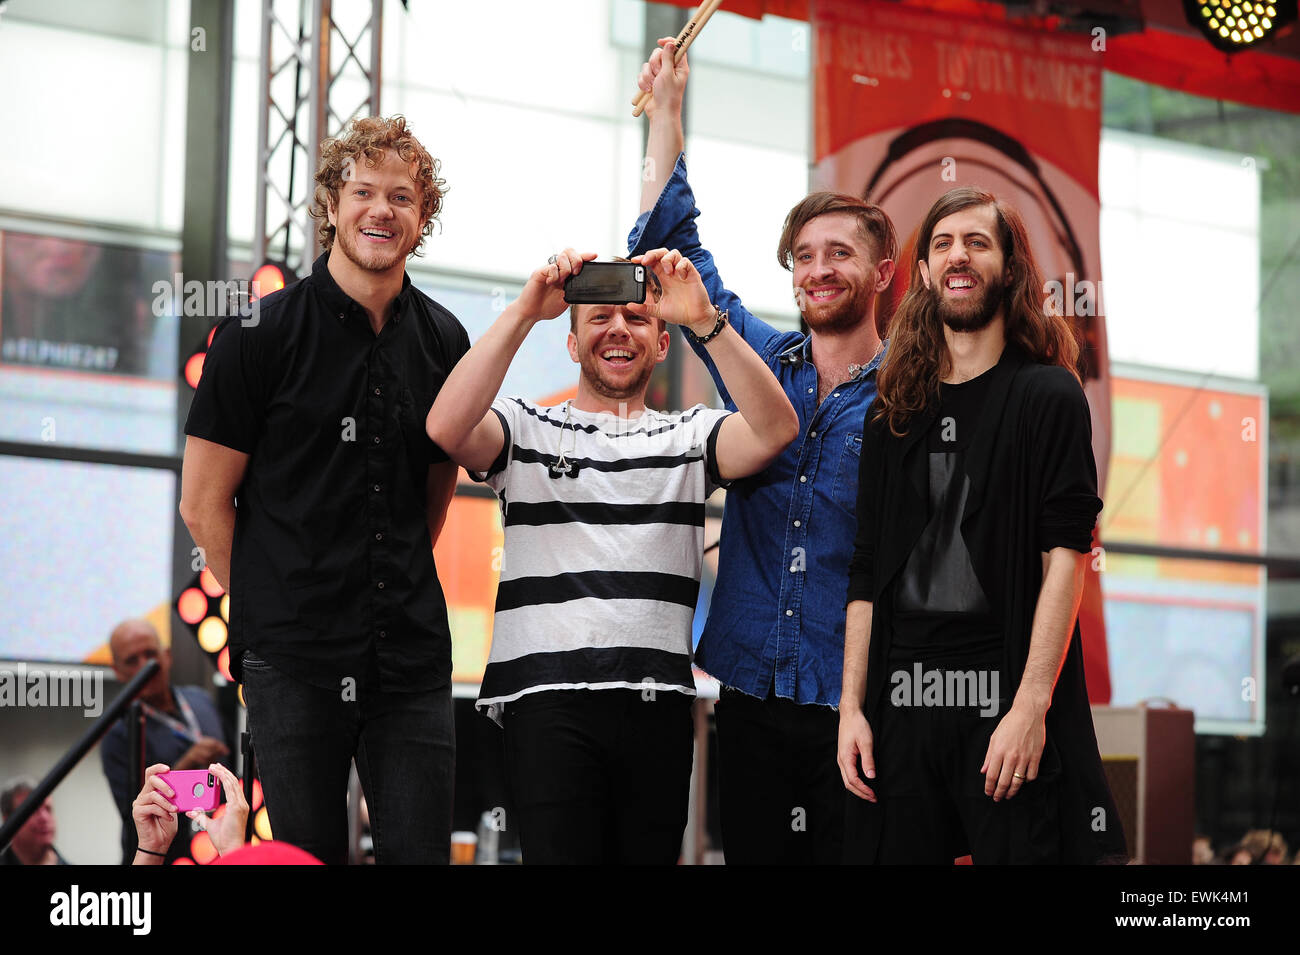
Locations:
column 82, row 547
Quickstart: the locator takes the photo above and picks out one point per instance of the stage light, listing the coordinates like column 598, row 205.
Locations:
column 270, row 277
column 202, row 849
column 262, row 824
column 223, row 663
column 192, row 606
column 212, row 634
column 205, row 608
column 208, row 583
column 1234, row 25
column 194, row 368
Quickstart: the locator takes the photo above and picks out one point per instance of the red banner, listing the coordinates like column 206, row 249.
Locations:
column 911, row 103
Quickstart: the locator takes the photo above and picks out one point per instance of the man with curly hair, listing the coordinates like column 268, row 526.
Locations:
column 311, row 419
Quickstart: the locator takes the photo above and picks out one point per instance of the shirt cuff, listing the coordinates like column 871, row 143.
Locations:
column 676, row 203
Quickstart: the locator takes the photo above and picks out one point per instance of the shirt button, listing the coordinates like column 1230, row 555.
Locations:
column 379, row 537
column 376, row 439
column 380, row 585
column 810, row 391
column 383, row 633
column 803, row 479
column 376, row 391
column 376, row 488
column 812, row 434
column 796, row 524
column 836, row 395
column 789, row 613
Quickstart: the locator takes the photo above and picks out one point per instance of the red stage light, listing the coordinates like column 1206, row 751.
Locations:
column 223, row 663
column 202, row 849
column 194, row 368
column 208, row 581
column 267, row 279
column 192, row 605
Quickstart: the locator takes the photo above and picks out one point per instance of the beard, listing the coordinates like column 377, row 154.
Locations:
column 369, row 259
column 848, row 312
column 594, row 374
column 973, row 314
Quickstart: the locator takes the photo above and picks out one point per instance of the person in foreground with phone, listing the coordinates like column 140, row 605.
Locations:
column 156, row 816
column 602, row 500
column 964, row 717
column 774, row 638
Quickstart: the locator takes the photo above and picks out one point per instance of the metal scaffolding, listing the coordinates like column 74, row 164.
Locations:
column 305, row 81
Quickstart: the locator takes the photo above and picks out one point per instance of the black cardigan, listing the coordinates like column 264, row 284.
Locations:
column 1033, row 487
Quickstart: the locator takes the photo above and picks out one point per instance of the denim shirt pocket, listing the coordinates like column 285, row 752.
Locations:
column 845, row 492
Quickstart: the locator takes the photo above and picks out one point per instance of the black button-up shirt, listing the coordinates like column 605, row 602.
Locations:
column 332, row 573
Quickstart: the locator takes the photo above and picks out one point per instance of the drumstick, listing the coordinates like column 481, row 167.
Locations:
column 684, row 40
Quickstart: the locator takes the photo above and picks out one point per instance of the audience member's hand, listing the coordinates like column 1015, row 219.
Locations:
column 208, row 749
column 154, row 815
column 226, row 831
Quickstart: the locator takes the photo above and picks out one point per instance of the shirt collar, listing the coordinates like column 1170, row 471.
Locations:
column 340, row 303
column 802, row 352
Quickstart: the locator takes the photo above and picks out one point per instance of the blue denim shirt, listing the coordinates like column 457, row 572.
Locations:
column 777, row 615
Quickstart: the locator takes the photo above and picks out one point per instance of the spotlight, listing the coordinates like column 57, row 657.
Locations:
column 1234, row 25
column 271, row 276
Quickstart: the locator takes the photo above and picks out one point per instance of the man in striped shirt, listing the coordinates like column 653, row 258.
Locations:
column 603, row 505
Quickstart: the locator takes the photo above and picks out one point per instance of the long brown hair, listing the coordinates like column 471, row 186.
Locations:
column 917, row 358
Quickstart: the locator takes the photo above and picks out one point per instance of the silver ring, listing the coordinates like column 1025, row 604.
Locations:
column 551, row 260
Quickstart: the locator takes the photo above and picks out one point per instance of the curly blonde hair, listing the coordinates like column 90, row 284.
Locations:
column 367, row 138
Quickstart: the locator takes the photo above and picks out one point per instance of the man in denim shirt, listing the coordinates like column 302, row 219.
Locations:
column 775, row 633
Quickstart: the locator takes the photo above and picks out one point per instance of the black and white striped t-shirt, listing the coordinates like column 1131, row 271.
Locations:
column 601, row 569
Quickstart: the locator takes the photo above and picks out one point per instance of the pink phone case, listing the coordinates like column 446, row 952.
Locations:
column 194, row 788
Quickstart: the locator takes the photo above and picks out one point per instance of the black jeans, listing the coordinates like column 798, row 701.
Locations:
column 599, row 777
column 779, row 789
column 305, row 738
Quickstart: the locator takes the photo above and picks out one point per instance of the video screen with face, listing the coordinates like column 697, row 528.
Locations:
column 77, row 306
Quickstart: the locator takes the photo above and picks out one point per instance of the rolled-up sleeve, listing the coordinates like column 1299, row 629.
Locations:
column 671, row 225
column 1062, row 447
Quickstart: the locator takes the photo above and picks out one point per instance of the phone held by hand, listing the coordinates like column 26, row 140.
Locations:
column 194, row 789
column 606, row 283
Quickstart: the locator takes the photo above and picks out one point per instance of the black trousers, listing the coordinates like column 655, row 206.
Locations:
column 305, row 739
column 779, row 789
column 599, row 777
column 932, row 793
